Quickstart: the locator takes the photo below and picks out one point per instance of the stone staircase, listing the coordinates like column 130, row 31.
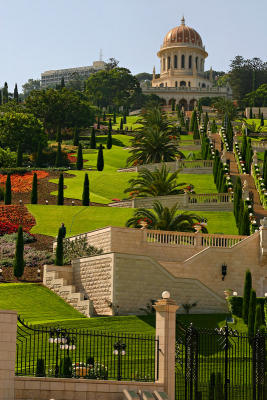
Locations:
column 59, row 280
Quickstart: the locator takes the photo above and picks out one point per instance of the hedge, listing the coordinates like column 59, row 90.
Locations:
column 236, row 302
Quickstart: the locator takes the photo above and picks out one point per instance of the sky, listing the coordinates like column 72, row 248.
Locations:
column 36, row 36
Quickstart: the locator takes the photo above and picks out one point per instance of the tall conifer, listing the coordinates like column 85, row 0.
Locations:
column 60, row 195
column 79, row 162
column 16, row 94
column 86, row 193
column 93, row 139
column 8, row 195
column 100, row 159
column 246, row 296
column 19, row 262
column 59, row 250
column 34, row 194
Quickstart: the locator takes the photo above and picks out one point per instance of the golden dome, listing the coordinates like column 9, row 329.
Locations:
column 182, row 34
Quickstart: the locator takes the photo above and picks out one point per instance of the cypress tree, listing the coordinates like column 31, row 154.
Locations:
column 34, row 195
column 16, row 94
column 206, row 121
column 19, row 262
column 39, row 155
column 76, row 137
column 245, row 225
column 60, row 195
column 59, row 137
column 240, row 217
column 100, row 159
column 98, row 122
column 192, row 121
column 62, row 83
column 93, row 139
column 244, row 146
column 121, row 125
column 110, row 124
column 5, row 93
column 258, row 319
column 109, row 141
column 19, row 156
column 237, row 198
column 59, row 250
column 249, row 154
column 104, row 116
column 173, row 105
column 250, row 113
column 262, row 119
column 187, row 124
column 8, row 195
column 58, row 156
column 124, row 119
column 246, row 295
column 264, row 174
column 79, row 162
column 196, row 131
column 86, row 194
column 251, row 313
column 114, row 118
column 213, row 126
column 215, row 165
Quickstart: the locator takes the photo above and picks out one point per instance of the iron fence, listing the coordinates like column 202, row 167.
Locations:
column 73, row 353
column 220, row 364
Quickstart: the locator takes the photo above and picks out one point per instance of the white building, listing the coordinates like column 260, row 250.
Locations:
column 182, row 65
column 53, row 77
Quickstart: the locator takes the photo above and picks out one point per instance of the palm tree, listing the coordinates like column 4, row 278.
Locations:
column 152, row 142
column 164, row 218
column 155, row 183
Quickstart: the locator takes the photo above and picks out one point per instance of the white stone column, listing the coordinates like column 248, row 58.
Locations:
column 165, row 331
column 8, row 335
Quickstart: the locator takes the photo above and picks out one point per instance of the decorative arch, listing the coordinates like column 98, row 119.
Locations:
column 192, row 104
column 171, row 101
column 183, row 103
column 182, row 83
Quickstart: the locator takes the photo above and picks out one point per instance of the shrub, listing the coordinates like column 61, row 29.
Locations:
column 65, row 368
column 78, row 248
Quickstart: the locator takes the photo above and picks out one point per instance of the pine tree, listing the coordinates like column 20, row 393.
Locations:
column 58, row 156
column 19, row 262
column 79, row 162
column 19, row 156
column 34, row 195
column 109, row 141
column 258, row 319
column 262, row 119
column 121, row 125
column 246, row 295
column 38, row 161
column 59, row 250
column 16, row 94
column 59, row 137
column 5, row 93
column 251, row 313
column 76, row 137
column 93, row 139
column 86, row 194
column 114, row 118
column 60, row 195
column 8, row 195
column 62, row 83
column 100, row 159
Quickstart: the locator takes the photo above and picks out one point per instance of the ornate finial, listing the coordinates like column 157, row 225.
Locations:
column 183, row 21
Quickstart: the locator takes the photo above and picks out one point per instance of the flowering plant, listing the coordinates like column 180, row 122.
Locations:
column 22, row 183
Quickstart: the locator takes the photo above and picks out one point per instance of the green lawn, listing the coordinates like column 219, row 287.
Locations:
column 202, row 183
column 35, row 303
column 85, row 219
column 131, row 122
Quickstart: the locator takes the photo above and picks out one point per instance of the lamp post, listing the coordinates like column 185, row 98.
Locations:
column 63, row 341
column 119, row 350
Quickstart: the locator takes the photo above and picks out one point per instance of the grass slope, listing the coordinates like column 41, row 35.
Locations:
column 83, row 219
column 35, row 303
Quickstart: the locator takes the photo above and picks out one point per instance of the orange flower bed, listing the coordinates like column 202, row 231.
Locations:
column 73, row 158
column 17, row 215
column 22, row 183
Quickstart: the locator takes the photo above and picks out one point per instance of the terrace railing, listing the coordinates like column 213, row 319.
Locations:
column 72, row 353
column 207, row 198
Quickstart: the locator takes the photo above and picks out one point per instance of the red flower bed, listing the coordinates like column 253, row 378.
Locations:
column 22, row 183
column 6, row 228
column 15, row 216
column 73, row 158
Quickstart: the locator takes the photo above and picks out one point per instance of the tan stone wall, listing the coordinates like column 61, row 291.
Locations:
column 93, row 276
column 138, row 279
column 76, row 389
column 206, row 267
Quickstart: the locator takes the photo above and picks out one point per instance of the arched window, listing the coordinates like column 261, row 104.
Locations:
column 166, row 84
column 169, row 62
column 190, row 62
column 175, row 62
column 197, row 63
column 164, row 64
column 176, row 83
column 182, row 61
column 182, row 83
column 161, row 85
column 189, row 84
column 203, row 85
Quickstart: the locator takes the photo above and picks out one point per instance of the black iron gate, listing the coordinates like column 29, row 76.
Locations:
column 220, row 364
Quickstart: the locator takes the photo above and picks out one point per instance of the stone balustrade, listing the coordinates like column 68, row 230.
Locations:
column 186, row 166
